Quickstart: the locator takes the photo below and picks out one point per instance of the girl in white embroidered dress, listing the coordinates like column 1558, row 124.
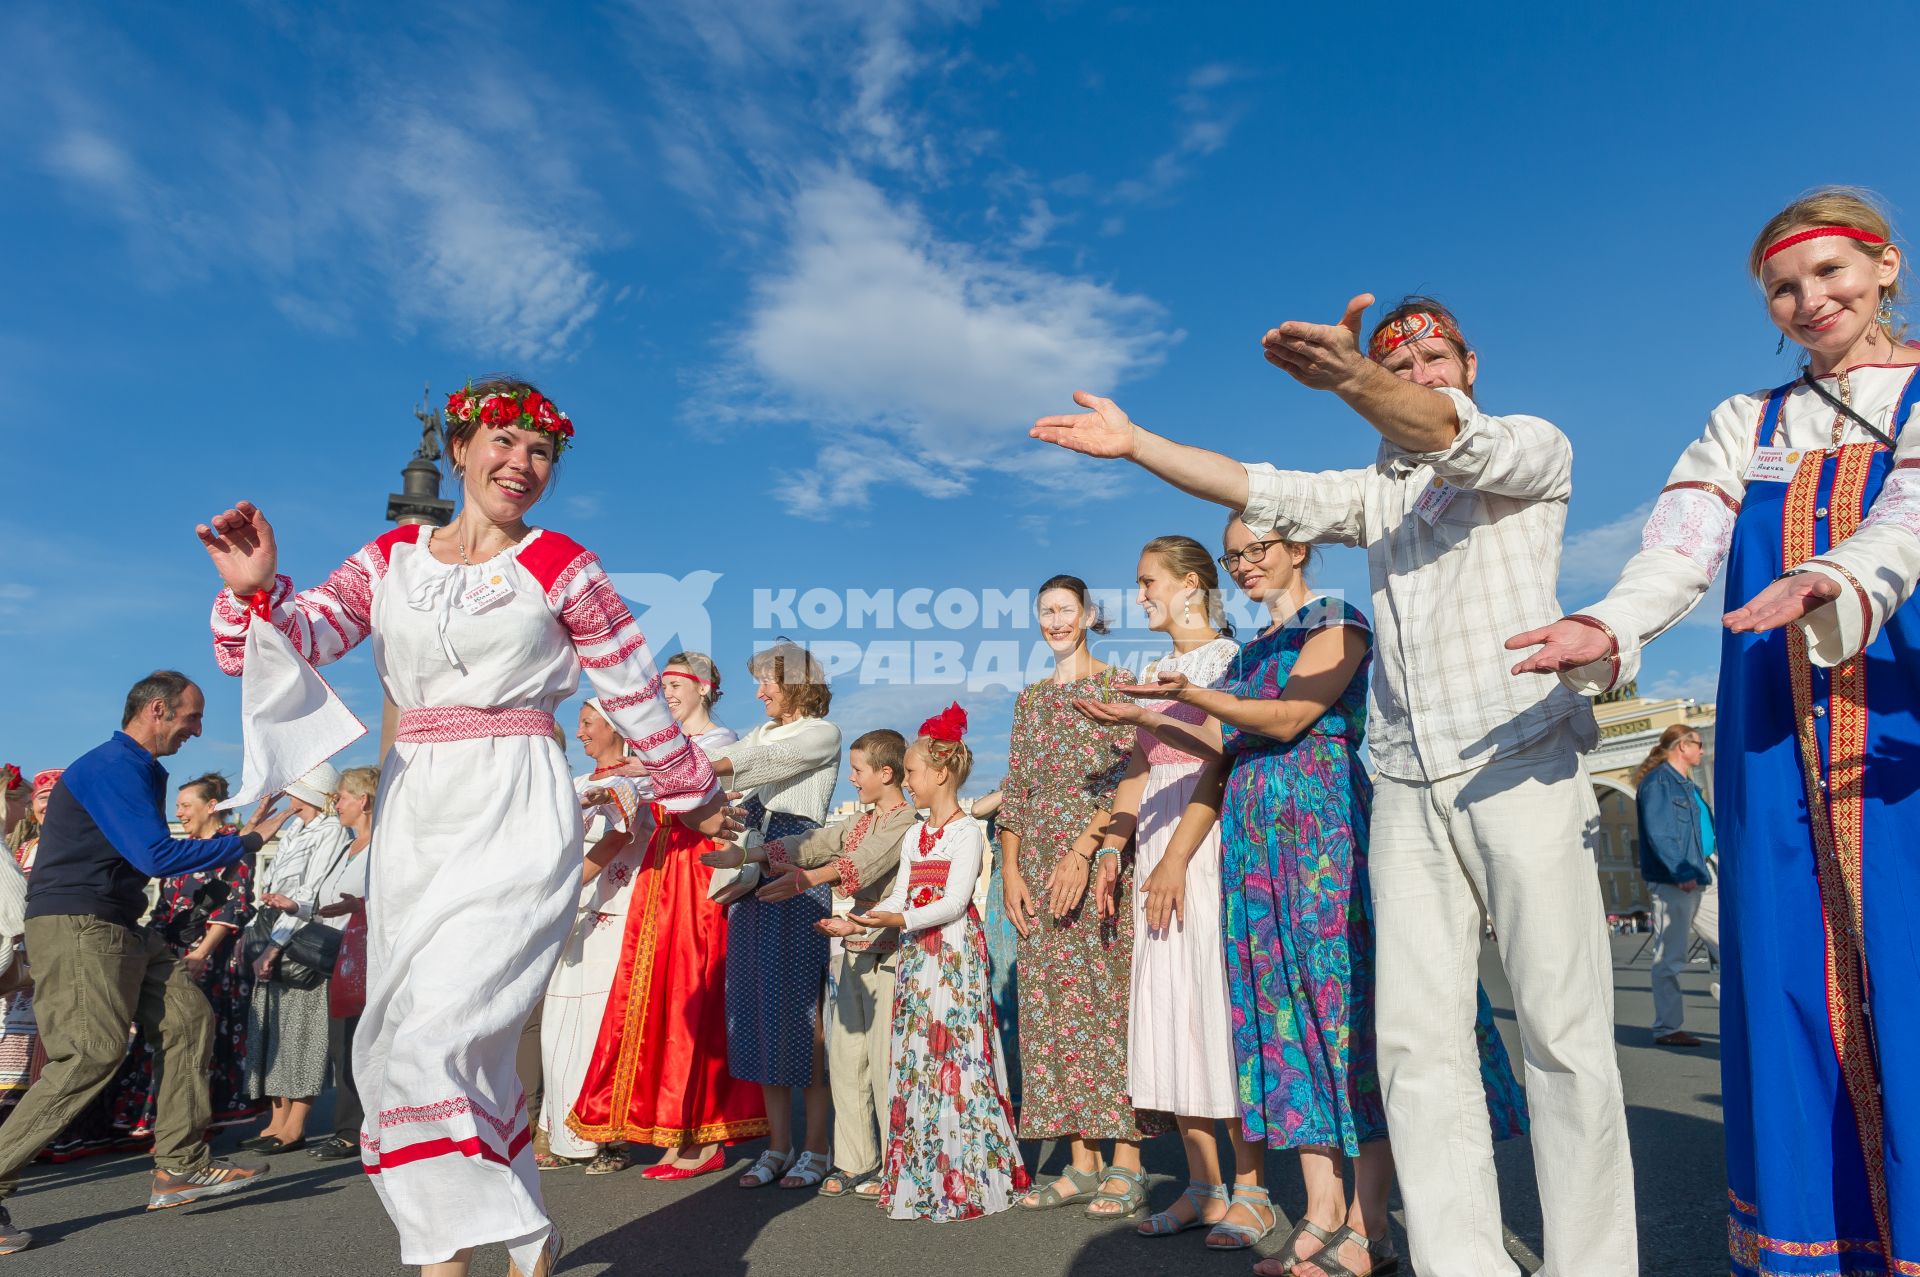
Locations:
column 479, row 632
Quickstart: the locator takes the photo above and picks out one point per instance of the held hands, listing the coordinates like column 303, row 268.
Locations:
column 240, row 543
column 1019, row 901
column 879, row 918
column 1111, row 713
column 1787, row 600
column 1169, row 685
column 1564, row 645
column 1105, row 431
column 1320, row 356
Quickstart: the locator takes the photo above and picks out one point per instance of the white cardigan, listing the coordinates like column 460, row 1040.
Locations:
column 789, row 767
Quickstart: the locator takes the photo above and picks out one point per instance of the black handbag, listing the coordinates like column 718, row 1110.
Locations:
column 308, row 959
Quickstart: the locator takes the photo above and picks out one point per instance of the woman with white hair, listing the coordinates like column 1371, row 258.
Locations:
column 287, row 1030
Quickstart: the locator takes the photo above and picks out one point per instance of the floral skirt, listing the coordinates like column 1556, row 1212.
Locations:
column 950, row 1145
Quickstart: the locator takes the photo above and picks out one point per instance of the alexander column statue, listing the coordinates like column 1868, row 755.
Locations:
column 418, row 501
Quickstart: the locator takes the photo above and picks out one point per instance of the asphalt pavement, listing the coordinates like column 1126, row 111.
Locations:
column 89, row 1217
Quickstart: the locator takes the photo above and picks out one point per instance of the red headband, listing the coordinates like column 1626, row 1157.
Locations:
column 691, row 678
column 48, row 779
column 1418, row 326
column 1801, row 237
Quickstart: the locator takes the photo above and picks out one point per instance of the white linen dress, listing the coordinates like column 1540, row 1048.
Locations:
column 1179, row 1030
column 475, row 867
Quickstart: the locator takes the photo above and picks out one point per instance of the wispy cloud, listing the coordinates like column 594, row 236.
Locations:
column 1204, row 126
column 922, row 360
column 1591, row 559
column 391, row 190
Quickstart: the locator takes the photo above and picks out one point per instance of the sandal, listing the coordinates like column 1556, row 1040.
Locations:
column 1379, row 1250
column 1131, row 1202
column 553, row 1161
column 1166, row 1223
column 1284, row 1254
column 869, row 1189
column 1086, row 1184
column 842, row 1183
column 807, row 1171
column 611, row 1159
column 1253, row 1199
column 766, row 1168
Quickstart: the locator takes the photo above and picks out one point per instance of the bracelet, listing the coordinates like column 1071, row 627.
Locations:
column 1104, row 852
column 1613, row 645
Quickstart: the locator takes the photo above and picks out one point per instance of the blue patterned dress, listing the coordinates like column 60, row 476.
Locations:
column 776, row 972
column 1299, row 922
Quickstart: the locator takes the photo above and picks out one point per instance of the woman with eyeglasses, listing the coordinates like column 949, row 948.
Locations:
column 1294, row 819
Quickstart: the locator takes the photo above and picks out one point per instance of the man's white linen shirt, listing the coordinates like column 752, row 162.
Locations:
column 1447, row 593
column 1690, row 531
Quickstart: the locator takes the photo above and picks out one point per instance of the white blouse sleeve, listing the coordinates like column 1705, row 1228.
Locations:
column 810, row 744
column 964, row 854
column 1875, row 568
column 1682, row 547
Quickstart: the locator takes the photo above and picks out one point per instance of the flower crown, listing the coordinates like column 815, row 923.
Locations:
column 950, row 724
column 531, row 411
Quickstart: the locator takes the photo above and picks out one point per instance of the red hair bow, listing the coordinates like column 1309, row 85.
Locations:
column 10, row 778
column 950, row 724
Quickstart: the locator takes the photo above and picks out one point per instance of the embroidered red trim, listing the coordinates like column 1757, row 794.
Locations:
column 1702, row 486
column 442, row 723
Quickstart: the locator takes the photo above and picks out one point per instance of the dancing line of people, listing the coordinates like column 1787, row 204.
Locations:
column 1216, row 915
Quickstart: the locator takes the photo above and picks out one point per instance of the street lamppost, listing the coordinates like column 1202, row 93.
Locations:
column 418, row 501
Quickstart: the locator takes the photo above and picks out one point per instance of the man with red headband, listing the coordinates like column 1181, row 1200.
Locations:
column 1483, row 811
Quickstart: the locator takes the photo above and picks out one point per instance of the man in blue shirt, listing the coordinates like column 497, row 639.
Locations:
column 96, row 969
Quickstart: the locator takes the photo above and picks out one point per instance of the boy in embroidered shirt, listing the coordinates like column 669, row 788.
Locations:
column 859, row 857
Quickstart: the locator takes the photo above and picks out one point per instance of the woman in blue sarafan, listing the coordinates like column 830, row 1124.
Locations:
column 1809, row 496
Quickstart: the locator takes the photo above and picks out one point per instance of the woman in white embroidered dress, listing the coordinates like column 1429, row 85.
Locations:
column 480, row 630
column 1179, row 1027
column 616, row 843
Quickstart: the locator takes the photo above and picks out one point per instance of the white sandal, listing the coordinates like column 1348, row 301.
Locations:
column 768, row 1167
column 809, row 1170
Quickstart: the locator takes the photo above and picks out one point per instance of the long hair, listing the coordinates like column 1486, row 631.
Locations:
column 1658, row 754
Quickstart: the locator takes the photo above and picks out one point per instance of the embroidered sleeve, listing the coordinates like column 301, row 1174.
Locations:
column 322, row 623
column 1682, row 546
column 877, row 854
column 617, row 662
column 1875, row 567
column 1327, row 507
column 849, row 875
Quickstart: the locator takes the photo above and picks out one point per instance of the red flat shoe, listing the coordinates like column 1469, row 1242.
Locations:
column 715, row 1163
column 655, row 1171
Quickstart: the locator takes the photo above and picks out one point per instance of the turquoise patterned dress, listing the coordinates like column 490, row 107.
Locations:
column 1299, row 922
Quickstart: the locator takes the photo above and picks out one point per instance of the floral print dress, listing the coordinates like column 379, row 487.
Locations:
column 950, row 1152
column 228, row 984
column 1076, row 971
column 1299, row 920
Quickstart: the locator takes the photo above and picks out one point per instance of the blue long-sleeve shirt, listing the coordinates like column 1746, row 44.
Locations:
column 105, row 836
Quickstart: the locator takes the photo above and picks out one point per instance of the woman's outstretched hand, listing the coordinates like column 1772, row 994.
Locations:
column 1105, row 431
column 1785, row 601
column 240, row 543
column 1564, row 645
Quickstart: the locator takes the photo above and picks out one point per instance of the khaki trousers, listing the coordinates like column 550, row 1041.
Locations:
column 1511, row 843
column 92, row 978
column 860, row 1058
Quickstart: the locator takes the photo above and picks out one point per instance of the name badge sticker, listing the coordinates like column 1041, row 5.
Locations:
column 486, row 594
column 1434, row 501
column 1773, row 465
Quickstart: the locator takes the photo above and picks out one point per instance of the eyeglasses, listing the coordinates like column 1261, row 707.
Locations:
column 1255, row 553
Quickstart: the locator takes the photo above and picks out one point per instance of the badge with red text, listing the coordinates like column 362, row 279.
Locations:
column 486, row 594
column 1773, row 465
column 1434, row 501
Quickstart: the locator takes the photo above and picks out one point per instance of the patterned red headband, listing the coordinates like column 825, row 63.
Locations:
column 1818, row 232
column 1418, row 326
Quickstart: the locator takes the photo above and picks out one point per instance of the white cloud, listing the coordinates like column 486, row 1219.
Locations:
column 875, row 325
column 1591, row 559
column 1697, row 685
column 1205, row 127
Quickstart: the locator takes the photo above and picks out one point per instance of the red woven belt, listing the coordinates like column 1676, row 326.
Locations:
column 464, row 722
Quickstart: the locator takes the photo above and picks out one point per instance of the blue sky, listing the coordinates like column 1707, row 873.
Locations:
column 803, row 273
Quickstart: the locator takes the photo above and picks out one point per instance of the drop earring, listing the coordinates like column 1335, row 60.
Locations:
column 1883, row 313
